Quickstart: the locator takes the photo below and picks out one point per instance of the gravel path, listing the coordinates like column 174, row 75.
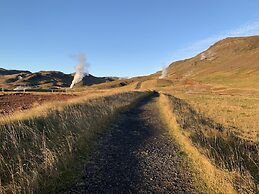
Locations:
column 136, row 156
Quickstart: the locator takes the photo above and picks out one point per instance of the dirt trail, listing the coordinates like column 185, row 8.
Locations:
column 136, row 156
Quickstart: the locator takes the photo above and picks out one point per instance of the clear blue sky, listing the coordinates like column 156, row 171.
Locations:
column 119, row 37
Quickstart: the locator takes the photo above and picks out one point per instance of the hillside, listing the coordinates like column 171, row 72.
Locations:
column 231, row 62
column 10, row 79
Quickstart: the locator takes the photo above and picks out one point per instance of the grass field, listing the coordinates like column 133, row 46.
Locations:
column 216, row 127
column 224, row 128
column 239, row 113
column 208, row 178
column 44, row 147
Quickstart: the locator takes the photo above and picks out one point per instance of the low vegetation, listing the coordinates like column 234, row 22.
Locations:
column 47, row 150
column 208, row 179
column 237, row 157
column 239, row 113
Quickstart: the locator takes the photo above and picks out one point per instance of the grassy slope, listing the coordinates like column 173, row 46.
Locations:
column 232, row 62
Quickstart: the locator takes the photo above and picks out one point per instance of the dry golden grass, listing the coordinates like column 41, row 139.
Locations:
column 221, row 145
column 45, row 147
column 36, row 111
column 222, row 123
column 208, row 178
column 239, row 113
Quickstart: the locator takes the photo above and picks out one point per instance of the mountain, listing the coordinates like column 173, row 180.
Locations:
column 11, row 79
column 231, row 62
column 11, row 72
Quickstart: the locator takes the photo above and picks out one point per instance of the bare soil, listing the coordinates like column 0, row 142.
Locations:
column 10, row 103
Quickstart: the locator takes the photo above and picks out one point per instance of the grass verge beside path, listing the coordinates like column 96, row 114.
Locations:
column 45, row 153
column 209, row 179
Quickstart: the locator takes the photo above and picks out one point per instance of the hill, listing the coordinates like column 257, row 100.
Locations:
column 11, row 79
column 231, row 62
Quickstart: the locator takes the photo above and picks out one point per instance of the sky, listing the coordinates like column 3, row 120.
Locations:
column 119, row 37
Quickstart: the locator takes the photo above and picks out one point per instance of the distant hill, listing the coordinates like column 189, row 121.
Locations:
column 11, row 79
column 229, row 63
column 11, row 72
column 232, row 62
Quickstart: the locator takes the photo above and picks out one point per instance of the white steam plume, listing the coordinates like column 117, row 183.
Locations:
column 164, row 72
column 81, row 69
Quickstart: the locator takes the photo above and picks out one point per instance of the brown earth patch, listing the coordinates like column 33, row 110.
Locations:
column 10, row 103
